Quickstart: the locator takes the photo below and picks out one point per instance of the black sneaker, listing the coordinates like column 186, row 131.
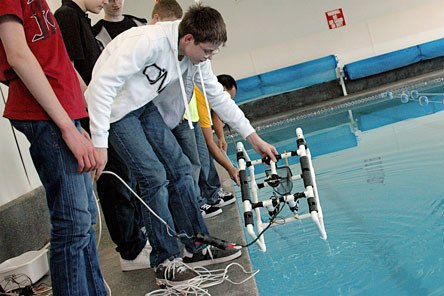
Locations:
column 209, row 211
column 210, row 255
column 225, row 198
column 172, row 273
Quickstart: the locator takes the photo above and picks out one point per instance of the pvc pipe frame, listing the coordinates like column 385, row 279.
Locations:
column 248, row 203
column 310, row 191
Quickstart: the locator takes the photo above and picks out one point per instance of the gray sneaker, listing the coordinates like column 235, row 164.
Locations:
column 172, row 273
column 210, row 255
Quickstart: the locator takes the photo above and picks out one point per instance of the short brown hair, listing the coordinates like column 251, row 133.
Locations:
column 205, row 24
column 167, row 9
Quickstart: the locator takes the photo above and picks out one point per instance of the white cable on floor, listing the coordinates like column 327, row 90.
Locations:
column 141, row 200
column 99, row 237
column 205, row 279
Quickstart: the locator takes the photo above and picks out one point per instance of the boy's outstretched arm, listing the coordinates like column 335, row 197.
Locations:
column 219, row 155
column 218, row 127
column 26, row 66
column 262, row 147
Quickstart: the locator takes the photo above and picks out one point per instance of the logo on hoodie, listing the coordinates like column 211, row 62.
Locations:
column 154, row 74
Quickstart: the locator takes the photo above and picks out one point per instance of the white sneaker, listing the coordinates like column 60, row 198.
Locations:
column 142, row 261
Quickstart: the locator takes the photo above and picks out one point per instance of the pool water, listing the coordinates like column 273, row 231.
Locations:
column 379, row 169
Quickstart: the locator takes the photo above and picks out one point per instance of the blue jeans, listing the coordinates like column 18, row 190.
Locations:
column 73, row 256
column 209, row 183
column 121, row 210
column 163, row 174
column 186, row 138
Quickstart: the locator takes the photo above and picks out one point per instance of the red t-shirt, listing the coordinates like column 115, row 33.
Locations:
column 45, row 41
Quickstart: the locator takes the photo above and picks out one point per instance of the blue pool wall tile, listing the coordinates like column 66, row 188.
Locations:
column 398, row 113
column 340, row 138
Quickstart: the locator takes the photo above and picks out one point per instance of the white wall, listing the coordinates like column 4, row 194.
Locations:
column 54, row 4
column 14, row 182
column 264, row 35
column 267, row 35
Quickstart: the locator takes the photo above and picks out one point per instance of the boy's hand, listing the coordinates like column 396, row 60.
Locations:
column 102, row 158
column 234, row 175
column 222, row 144
column 262, row 147
column 80, row 145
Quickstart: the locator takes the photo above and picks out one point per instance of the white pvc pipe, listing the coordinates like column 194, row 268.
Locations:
column 247, row 204
column 296, row 177
column 342, row 83
column 304, row 216
column 312, row 191
column 257, row 211
column 318, row 202
column 251, row 232
column 315, row 218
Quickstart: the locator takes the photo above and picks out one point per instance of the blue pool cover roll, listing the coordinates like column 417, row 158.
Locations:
column 394, row 60
column 287, row 79
column 324, row 69
column 382, row 63
column 432, row 49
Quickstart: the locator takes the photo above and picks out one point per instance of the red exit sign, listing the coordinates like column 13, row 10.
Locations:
column 335, row 18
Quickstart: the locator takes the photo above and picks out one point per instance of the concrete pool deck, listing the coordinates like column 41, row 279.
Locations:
column 227, row 226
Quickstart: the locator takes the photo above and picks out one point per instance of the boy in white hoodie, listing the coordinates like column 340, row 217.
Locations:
column 161, row 62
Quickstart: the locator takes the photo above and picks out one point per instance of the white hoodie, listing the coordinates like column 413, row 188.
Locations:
column 139, row 66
